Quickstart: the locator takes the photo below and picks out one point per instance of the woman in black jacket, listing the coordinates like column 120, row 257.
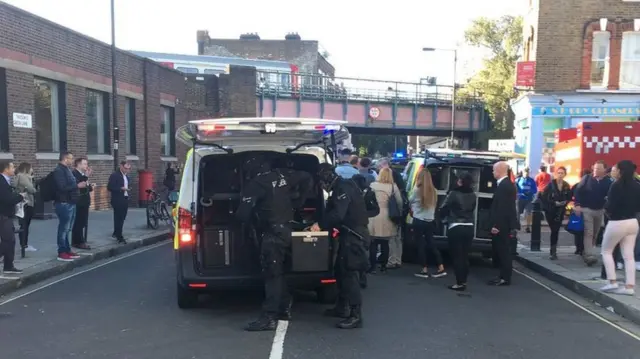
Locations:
column 554, row 200
column 458, row 208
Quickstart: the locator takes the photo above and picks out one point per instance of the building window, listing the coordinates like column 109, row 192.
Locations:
column 630, row 61
column 97, row 115
column 600, row 59
column 130, row 125
column 167, row 132
column 4, row 112
column 46, row 120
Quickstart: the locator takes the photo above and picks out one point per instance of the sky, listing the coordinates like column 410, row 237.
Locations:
column 381, row 41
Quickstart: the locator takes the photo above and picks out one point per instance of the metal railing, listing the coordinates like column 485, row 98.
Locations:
column 313, row 86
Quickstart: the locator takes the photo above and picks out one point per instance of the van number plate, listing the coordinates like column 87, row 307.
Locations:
column 270, row 128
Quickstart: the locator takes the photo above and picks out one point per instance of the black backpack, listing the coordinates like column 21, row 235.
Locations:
column 370, row 201
column 47, row 188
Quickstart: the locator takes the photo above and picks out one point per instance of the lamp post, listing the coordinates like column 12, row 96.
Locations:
column 114, row 89
column 453, row 93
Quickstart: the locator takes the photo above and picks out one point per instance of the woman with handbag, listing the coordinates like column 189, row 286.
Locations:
column 554, row 200
column 382, row 228
column 423, row 200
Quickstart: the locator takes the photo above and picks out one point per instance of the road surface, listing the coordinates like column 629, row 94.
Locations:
column 127, row 309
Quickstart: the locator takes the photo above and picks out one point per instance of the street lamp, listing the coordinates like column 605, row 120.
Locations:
column 453, row 94
column 114, row 89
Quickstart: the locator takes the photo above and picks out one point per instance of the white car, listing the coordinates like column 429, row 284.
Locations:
column 213, row 250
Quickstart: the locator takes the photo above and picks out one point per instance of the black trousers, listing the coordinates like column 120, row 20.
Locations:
column 24, row 225
column 120, row 209
column 273, row 252
column 7, row 241
column 383, row 243
column 80, row 224
column 578, row 239
column 501, row 248
column 423, row 234
column 352, row 258
column 460, row 239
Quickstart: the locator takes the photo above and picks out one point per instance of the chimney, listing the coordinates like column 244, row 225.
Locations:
column 250, row 36
column 292, row 36
column 203, row 38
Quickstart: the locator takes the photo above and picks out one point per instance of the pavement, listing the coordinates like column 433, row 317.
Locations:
column 127, row 309
column 42, row 264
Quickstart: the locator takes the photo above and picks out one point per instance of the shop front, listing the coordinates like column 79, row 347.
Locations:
column 538, row 116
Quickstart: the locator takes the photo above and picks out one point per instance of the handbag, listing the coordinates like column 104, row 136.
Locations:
column 395, row 210
column 575, row 224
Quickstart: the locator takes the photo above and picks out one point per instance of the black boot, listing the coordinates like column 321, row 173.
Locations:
column 264, row 323
column 354, row 320
column 341, row 310
column 363, row 280
column 554, row 253
column 285, row 312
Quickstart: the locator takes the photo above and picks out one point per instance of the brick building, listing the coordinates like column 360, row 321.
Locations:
column 61, row 81
column 305, row 54
column 586, row 60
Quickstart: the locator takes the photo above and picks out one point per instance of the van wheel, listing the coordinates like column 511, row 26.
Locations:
column 327, row 294
column 187, row 298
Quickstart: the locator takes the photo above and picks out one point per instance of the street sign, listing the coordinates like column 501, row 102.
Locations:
column 502, row 145
column 22, row 120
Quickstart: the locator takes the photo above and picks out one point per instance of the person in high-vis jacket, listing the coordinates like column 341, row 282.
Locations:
column 347, row 212
column 267, row 203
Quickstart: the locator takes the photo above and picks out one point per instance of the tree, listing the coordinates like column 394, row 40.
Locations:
column 494, row 84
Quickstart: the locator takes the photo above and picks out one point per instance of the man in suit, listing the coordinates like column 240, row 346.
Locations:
column 8, row 201
column 119, row 186
column 504, row 221
column 78, row 235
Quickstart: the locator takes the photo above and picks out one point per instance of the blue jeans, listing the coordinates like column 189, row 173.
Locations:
column 66, row 213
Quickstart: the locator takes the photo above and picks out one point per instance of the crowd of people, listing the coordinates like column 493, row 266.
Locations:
column 607, row 203
column 69, row 187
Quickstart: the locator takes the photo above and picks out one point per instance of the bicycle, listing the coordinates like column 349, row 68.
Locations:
column 157, row 210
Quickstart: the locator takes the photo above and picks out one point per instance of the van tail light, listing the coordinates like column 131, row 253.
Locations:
column 186, row 227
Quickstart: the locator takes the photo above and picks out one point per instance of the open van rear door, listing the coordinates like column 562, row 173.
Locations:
column 225, row 133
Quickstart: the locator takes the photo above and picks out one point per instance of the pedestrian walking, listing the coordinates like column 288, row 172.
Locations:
column 554, row 200
column 527, row 190
column 9, row 198
column 423, row 201
column 622, row 206
column 23, row 183
column 458, row 208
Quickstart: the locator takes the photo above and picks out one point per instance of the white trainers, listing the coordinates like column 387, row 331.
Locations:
column 625, row 291
column 609, row 288
column 30, row 248
column 620, row 265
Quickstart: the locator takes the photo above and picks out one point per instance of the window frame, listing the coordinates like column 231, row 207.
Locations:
column 56, row 125
column 102, row 119
column 130, row 125
column 606, row 60
column 168, row 120
column 4, row 111
column 621, row 85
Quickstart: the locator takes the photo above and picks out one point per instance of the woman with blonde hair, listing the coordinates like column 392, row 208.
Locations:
column 424, row 200
column 383, row 231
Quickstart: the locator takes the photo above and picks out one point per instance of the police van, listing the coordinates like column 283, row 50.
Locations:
column 214, row 251
column 444, row 166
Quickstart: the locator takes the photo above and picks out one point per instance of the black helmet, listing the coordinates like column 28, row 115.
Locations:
column 256, row 165
column 327, row 175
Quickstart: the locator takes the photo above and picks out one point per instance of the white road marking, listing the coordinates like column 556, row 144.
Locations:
column 118, row 258
column 277, row 348
column 585, row 309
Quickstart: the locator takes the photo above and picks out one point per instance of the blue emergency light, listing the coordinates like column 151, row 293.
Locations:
column 398, row 155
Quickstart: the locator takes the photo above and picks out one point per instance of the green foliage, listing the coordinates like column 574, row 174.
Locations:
column 495, row 82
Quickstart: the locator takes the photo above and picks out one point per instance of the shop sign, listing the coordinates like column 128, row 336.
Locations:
column 525, row 74
column 585, row 111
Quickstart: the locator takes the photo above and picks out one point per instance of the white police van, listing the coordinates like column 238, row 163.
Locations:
column 213, row 251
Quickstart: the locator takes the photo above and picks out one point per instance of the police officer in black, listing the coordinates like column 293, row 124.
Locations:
column 267, row 203
column 347, row 212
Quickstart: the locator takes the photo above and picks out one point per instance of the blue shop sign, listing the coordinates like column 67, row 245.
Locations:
column 622, row 111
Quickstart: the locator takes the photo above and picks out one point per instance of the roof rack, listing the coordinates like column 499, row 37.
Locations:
column 444, row 153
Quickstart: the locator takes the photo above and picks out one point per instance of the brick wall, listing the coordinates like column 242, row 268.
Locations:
column 303, row 53
column 563, row 47
column 34, row 47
